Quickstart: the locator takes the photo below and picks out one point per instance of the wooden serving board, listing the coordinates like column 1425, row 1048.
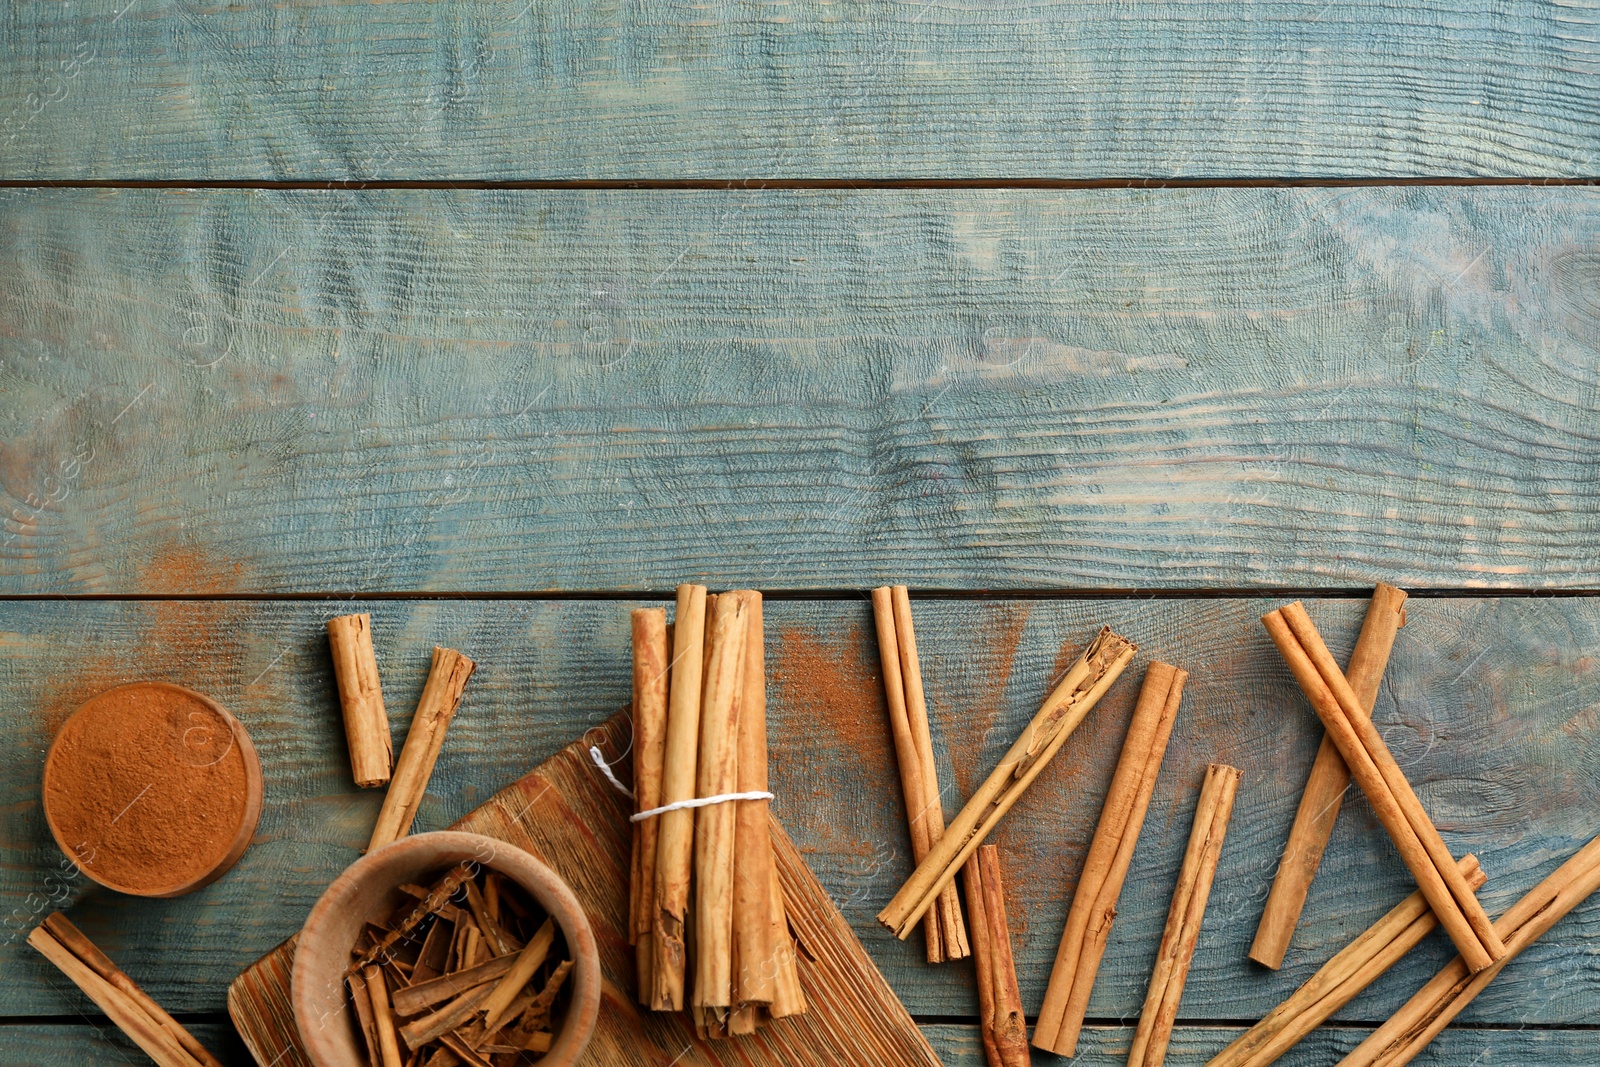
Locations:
column 567, row 814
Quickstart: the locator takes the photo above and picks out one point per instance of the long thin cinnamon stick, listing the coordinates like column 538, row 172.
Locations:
column 982, row 956
column 127, row 1011
column 1007, row 1028
column 650, row 675
column 1094, row 903
column 441, row 696
column 1188, row 909
column 77, row 943
column 1339, row 980
column 1326, row 785
column 907, row 755
column 753, row 942
column 1082, row 686
column 366, row 724
column 952, row 931
column 675, row 831
column 1437, row 1003
column 1391, row 796
column 714, row 824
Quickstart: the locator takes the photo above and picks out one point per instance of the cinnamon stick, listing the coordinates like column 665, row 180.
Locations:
column 382, row 1017
column 419, row 1032
column 787, row 996
column 441, row 696
column 1339, row 980
column 366, row 724
column 1326, row 785
column 944, row 931
column 907, row 755
column 714, row 824
column 982, row 957
column 1184, row 917
column 1437, row 1003
column 1391, row 796
column 438, row 897
column 1005, row 1028
column 753, row 942
column 357, row 985
column 1094, row 902
column 154, row 1031
column 650, row 658
column 414, row 998
column 952, row 930
column 675, row 829
column 1082, row 686
column 530, row 959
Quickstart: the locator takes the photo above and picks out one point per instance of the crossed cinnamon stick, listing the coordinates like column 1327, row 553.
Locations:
column 1392, row 798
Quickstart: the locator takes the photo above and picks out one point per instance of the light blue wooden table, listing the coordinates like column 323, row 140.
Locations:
column 497, row 319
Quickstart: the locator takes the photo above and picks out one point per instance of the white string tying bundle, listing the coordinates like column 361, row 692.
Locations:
column 677, row 805
column 700, row 802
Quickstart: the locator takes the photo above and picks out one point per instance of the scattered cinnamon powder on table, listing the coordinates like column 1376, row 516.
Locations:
column 152, row 789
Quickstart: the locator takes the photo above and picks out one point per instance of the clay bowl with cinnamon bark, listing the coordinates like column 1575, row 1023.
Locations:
column 347, row 926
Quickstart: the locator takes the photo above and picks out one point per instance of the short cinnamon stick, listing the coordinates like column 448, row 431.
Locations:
column 1079, row 690
column 754, row 946
column 441, row 696
column 382, row 1017
column 675, row 830
column 414, row 998
column 1184, row 917
column 717, row 774
column 1380, row 778
column 1437, row 1003
column 366, row 724
column 1094, row 903
column 1339, row 980
column 1326, row 785
column 650, row 673
column 527, row 961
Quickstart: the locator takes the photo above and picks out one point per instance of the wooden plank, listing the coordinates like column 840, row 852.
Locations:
column 34, row 1044
column 409, row 390
column 113, row 89
column 1107, row 1046
column 1489, row 705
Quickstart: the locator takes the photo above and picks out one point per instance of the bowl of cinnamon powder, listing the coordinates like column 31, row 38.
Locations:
column 152, row 789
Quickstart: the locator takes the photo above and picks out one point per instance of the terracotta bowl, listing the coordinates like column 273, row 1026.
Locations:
column 368, row 891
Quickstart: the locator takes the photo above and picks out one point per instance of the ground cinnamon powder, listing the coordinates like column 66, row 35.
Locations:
column 151, row 789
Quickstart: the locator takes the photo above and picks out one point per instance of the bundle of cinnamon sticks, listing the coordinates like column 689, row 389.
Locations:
column 705, row 904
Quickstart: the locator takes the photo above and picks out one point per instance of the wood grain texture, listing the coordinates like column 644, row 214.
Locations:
column 595, row 90
column 408, row 390
column 1489, row 704
column 83, row 1044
